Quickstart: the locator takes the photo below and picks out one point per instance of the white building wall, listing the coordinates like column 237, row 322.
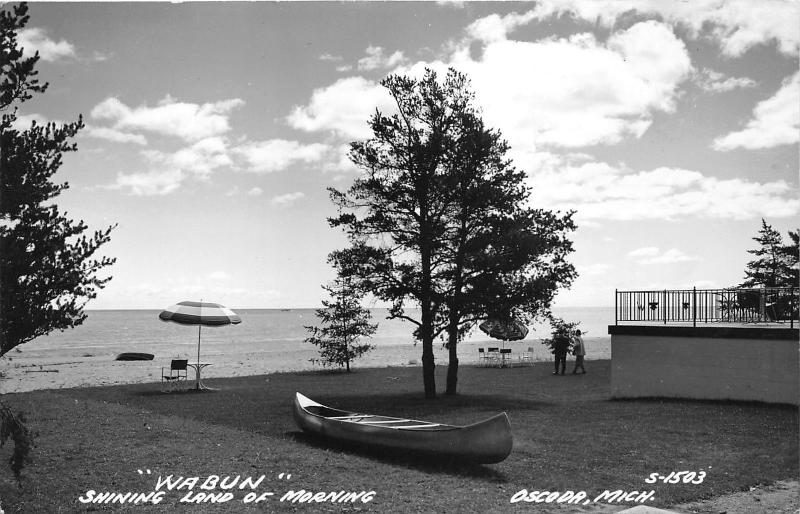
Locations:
column 705, row 368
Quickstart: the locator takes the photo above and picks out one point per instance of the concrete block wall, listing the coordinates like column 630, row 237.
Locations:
column 653, row 364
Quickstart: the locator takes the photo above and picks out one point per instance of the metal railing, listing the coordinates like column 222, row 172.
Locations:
column 735, row 305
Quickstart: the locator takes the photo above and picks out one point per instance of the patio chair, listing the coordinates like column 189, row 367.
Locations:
column 527, row 356
column 172, row 376
column 482, row 357
column 505, row 357
column 494, row 356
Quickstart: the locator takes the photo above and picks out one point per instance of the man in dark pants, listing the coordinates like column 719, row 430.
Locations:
column 560, row 348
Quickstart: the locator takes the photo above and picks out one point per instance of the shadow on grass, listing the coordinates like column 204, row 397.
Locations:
column 434, row 464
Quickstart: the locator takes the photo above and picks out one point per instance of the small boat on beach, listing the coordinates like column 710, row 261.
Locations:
column 135, row 356
column 485, row 442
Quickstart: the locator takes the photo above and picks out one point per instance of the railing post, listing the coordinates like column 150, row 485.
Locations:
column 791, row 307
column 664, row 299
column 694, row 306
column 616, row 308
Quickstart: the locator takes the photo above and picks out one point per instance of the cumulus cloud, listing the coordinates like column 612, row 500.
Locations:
column 287, row 199
column 149, row 183
column 600, row 191
column 333, row 109
column 114, row 135
column 654, row 255
column 34, row 40
column 278, row 154
column 166, row 171
column 716, row 82
column 199, row 159
column 736, row 25
column 255, row 191
column 188, row 121
column 577, row 91
column 375, row 59
column 495, row 27
column 776, row 121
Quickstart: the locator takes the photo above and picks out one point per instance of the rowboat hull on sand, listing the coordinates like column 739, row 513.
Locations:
column 135, row 356
column 485, row 442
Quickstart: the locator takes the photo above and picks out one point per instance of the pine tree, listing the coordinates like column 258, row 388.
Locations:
column 438, row 220
column 344, row 322
column 47, row 268
column 773, row 265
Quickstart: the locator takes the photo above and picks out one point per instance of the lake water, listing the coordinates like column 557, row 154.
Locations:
column 267, row 340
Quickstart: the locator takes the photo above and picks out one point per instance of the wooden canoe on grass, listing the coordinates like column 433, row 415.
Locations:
column 485, row 442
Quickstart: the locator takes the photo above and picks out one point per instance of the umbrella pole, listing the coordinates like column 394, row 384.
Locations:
column 198, row 343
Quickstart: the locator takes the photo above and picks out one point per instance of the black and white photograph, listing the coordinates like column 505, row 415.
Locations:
column 400, row 256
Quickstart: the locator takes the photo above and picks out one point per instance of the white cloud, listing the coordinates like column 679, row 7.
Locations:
column 330, row 57
column 600, row 191
column 149, row 183
column 653, row 255
column 114, row 135
column 199, row 159
column 255, row 191
column 34, row 40
column 776, row 121
column 219, row 275
column 577, row 91
column 716, row 82
column 737, row 25
column 495, row 27
column 375, row 59
column 342, row 108
column 287, row 199
column 166, row 171
column 278, row 154
column 188, row 121
column 456, row 4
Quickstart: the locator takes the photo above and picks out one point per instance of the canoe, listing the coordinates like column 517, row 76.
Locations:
column 485, row 442
column 135, row 356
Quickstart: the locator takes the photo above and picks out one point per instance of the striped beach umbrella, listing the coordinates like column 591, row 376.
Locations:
column 200, row 313
column 505, row 330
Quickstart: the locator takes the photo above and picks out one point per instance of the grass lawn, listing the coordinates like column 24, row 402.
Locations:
column 567, row 436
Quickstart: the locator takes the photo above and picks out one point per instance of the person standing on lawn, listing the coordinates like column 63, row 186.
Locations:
column 579, row 351
column 560, row 349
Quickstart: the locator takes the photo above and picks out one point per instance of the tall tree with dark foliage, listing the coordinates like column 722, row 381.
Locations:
column 439, row 221
column 48, row 270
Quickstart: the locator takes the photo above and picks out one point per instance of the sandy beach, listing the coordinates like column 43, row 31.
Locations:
column 43, row 367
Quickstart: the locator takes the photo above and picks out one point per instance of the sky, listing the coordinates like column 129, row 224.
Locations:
column 213, row 130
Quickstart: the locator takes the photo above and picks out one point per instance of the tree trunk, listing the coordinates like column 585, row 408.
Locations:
column 426, row 331
column 2, row 248
column 455, row 314
column 452, row 366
